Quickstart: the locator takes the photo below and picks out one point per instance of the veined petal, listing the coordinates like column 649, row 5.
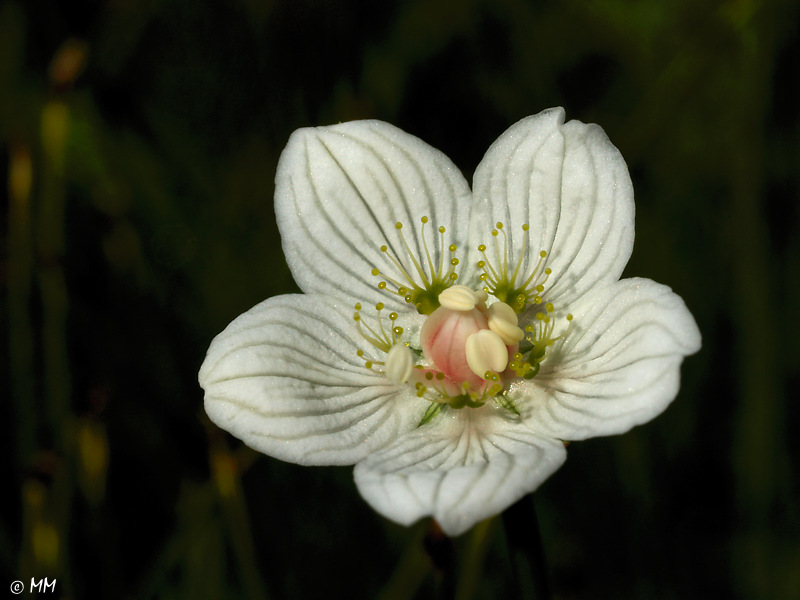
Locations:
column 571, row 186
column 460, row 469
column 284, row 377
column 618, row 367
column 339, row 192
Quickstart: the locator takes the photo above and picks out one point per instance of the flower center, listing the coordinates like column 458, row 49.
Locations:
column 472, row 346
column 469, row 344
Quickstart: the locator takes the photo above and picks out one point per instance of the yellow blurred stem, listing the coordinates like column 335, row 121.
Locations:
column 50, row 249
column 45, row 519
column 758, row 439
column 227, row 481
column 91, row 440
column 20, row 276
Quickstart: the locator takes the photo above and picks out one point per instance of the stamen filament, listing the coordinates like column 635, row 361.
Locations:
column 398, row 264
column 523, row 252
column 417, row 266
column 425, row 245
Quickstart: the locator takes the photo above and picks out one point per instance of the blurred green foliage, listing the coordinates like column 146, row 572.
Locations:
column 139, row 142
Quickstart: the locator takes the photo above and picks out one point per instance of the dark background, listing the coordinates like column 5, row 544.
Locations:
column 139, row 141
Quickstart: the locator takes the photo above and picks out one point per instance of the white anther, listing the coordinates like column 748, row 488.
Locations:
column 486, row 352
column 510, row 334
column 399, row 364
column 503, row 311
column 458, row 297
column 503, row 321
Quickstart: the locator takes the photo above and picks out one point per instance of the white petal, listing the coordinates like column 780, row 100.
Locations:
column 284, row 377
column 341, row 189
column 571, row 185
column 619, row 365
column 461, row 468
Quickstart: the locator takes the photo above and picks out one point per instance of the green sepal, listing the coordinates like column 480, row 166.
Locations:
column 506, row 403
column 434, row 409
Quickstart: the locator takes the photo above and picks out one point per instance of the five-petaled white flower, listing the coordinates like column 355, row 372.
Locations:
column 449, row 341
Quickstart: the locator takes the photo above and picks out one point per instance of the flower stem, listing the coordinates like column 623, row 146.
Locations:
column 470, row 571
column 524, row 540
column 410, row 572
column 442, row 552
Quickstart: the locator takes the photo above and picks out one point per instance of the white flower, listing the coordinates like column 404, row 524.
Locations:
column 449, row 341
